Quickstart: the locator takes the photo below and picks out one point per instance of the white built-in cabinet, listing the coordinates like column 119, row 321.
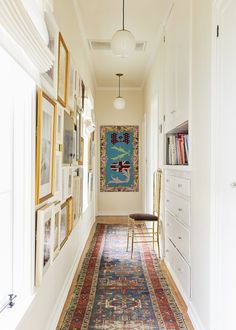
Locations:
column 177, row 64
column 177, row 121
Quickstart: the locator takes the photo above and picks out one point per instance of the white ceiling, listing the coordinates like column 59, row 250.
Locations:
column 101, row 18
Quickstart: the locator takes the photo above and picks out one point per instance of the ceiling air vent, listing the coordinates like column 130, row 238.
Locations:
column 106, row 45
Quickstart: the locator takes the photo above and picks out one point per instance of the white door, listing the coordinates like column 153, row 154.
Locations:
column 225, row 291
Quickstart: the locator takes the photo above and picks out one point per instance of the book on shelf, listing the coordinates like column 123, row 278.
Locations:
column 177, row 149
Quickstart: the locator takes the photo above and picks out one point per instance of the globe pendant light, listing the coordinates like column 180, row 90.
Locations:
column 123, row 42
column 119, row 102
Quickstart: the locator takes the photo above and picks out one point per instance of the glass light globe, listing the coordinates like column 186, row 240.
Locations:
column 123, row 43
column 119, row 103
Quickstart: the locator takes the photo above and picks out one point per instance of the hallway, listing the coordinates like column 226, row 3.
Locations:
column 100, row 101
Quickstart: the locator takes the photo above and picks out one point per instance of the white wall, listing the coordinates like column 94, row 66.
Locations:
column 119, row 203
column 49, row 298
column 201, row 154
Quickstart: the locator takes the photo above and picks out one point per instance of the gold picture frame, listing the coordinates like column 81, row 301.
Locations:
column 63, row 224
column 81, row 160
column 63, row 67
column 69, row 215
column 45, row 147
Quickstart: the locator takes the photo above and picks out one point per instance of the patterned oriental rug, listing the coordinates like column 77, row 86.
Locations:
column 114, row 292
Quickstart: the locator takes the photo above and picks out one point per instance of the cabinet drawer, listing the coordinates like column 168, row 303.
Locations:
column 178, row 206
column 169, row 181
column 182, row 186
column 170, row 226
column 179, row 266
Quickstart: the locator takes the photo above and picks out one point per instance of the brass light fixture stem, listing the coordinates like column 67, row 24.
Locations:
column 119, row 75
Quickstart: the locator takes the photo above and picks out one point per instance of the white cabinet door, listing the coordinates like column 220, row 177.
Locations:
column 177, row 64
column 226, row 167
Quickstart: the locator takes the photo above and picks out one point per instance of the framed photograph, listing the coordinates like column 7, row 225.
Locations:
column 56, row 230
column 81, row 96
column 49, row 78
column 68, row 139
column 90, row 156
column 44, row 242
column 60, row 122
column 63, row 224
column 90, row 186
column 81, row 196
column 81, row 160
column 58, row 176
column 63, row 55
column 69, row 215
column 70, row 182
column 71, row 87
column 45, row 147
column 76, row 199
column 78, row 135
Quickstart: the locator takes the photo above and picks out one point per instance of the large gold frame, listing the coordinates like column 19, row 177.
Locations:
column 61, row 43
column 42, row 95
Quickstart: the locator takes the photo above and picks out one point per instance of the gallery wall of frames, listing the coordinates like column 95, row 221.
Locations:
column 60, row 133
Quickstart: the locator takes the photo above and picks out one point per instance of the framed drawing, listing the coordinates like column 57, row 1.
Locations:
column 81, row 160
column 60, row 121
column 58, row 176
column 49, row 78
column 45, row 147
column 44, row 242
column 71, row 87
column 78, row 135
column 56, row 230
column 63, row 224
column 70, row 214
column 81, row 196
column 68, row 139
column 63, row 55
column 70, row 182
column 76, row 199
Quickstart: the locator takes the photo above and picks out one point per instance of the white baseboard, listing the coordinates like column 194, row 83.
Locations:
column 193, row 315
column 56, row 313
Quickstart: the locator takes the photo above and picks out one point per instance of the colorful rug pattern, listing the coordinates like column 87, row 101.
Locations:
column 119, row 158
column 116, row 293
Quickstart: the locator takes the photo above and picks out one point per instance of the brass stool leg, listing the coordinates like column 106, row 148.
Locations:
column 153, row 234
column 132, row 247
column 127, row 247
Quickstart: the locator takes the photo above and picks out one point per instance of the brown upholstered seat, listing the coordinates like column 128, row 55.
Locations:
column 143, row 217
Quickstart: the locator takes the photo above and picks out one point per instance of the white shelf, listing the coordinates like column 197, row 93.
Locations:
column 177, row 167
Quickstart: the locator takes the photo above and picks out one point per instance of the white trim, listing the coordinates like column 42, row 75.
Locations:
column 197, row 324
column 16, row 20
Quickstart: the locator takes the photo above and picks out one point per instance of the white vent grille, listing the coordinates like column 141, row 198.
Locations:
column 106, row 45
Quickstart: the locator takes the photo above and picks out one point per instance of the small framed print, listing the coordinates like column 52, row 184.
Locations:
column 58, row 176
column 81, row 160
column 49, row 78
column 68, row 139
column 56, row 230
column 45, row 147
column 70, row 182
column 63, row 56
column 71, row 87
column 69, row 215
column 63, row 224
column 78, row 135
column 44, row 241
column 60, row 125
column 76, row 199
column 81, row 176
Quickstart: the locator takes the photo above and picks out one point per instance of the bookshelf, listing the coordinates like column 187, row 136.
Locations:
column 177, row 146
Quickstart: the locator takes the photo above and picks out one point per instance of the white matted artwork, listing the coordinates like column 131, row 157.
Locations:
column 63, row 224
column 60, row 123
column 56, row 232
column 81, row 175
column 65, row 180
column 49, row 78
column 76, row 198
column 46, row 146
column 58, row 176
column 44, row 241
column 90, row 186
column 70, row 182
column 68, row 130
column 71, row 87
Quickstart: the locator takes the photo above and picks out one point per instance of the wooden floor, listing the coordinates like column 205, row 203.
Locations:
column 123, row 220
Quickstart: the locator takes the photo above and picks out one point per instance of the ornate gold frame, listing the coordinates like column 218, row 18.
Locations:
column 61, row 43
column 42, row 95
